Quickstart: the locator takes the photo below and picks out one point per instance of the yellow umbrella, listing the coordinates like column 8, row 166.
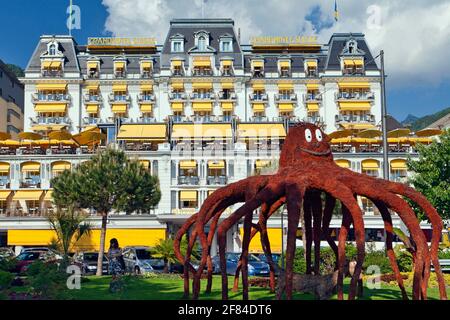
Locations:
column 421, row 140
column 89, row 137
column 341, row 140
column 398, row 140
column 397, row 133
column 428, row 132
column 370, row 133
column 29, row 136
column 60, row 135
column 340, row 134
column 4, row 136
column 12, row 143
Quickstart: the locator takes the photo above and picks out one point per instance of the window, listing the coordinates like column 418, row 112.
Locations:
column 177, row 46
column 202, row 43
column 52, row 50
column 226, row 46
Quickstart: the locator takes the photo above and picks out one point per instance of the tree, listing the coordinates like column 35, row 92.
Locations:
column 16, row 70
column 108, row 181
column 431, row 174
column 165, row 250
column 69, row 225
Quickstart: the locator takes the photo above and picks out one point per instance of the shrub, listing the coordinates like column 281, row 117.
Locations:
column 404, row 258
column 444, row 254
column 6, row 278
column 47, row 280
column 377, row 258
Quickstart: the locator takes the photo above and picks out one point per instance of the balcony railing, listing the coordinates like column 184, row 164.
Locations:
column 119, row 98
column 120, row 74
column 4, row 182
column 30, row 182
column 178, row 73
column 352, row 71
column 93, row 75
column 227, row 73
column 189, row 180
column 359, row 96
column 146, row 98
column 202, row 96
column 38, row 97
column 285, row 74
column 227, row 96
column 216, row 180
column 312, row 74
column 369, row 118
column 52, row 73
column 314, row 119
column 50, row 120
column 92, row 98
column 202, row 72
column 259, row 97
column 90, row 121
column 312, row 97
column 146, row 74
column 286, row 97
column 258, row 74
column 177, row 96
column 184, row 211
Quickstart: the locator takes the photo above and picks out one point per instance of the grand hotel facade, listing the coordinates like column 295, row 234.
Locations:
column 200, row 111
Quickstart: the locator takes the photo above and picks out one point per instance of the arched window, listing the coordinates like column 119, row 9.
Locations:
column 202, row 43
column 52, row 49
column 352, row 46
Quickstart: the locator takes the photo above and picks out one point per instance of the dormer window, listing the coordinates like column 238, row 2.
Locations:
column 120, row 68
column 146, row 68
column 52, row 49
column 258, row 68
column 311, row 68
column 226, row 45
column 202, row 43
column 177, row 46
column 93, row 68
column 284, row 67
column 202, row 40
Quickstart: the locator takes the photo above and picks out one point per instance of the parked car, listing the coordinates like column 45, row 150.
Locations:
column 139, row 260
column 40, row 249
column 6, row 253
column 25, row 259
column 275, row 258
column 87, row 261
column 256, row 267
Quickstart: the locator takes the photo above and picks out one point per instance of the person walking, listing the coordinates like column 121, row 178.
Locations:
column 116, row 264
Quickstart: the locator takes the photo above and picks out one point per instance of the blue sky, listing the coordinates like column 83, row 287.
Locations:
column 23, row 21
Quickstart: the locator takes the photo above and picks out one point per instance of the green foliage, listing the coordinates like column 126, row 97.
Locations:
column 47, row 280
column 424, row 122
column 6, row 279
column 377, row 258
column 431, row 175
column 444, row 254
column 16, row 70
column 7, row 264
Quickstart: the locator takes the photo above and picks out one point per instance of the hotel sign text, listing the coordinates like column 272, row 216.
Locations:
column 288, row 40
column 122, row 42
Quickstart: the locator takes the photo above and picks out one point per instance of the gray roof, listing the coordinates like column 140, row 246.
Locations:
column 442, row 123
column 107, row 62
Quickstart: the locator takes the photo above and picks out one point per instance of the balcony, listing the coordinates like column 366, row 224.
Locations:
column 93, row 74
column 259, row 97
column 49, row 98
column 178, row 96
column 285, row 74
column 313, row 98
column 51, row 120
column 4, row 182
column 189, row 180
column 286, row 97
column 312, row 73
column 146, row 98
column 314, row 119
column 120, row 74
column 257, row 74
column 202, row 96
column 146, row 74
column 368, row 118
column 52, row 73
column 355, row 96
column 227, row 73
column 216, row 180
column 92, row 98
column 352, row 71
column 178, row 73
column 87, row 121
column 227, row 96
column 198, row 72
column 119, row 98
column 33, row 182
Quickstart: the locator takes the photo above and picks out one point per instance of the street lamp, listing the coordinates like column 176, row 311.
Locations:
column 384, row 119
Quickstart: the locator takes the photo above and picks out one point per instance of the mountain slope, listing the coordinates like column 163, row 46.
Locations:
column 422, row 123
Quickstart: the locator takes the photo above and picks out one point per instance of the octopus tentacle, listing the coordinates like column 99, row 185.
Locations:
column 343, row 233
column 316, row 205
column 307, row 217
column 244, row 256
column 330, row 203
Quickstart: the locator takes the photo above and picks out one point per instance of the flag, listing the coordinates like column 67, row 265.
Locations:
column 336, row 12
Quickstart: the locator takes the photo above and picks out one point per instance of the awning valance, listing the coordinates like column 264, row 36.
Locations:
column 285, row 64
column 92, row 64
column 51, row 86
column 176, row 63
column 370, row 164
column 177, row 85
column 202, row 85
column 119, row 87
column 145, row 164
column 48, row 195
column 46, row 64
column 177, row 106
column 188, row 195
column 286, row 86
column 257, row 64
column 119, row 108
column 49, row 107
column 61, row 166
column 312, row 106
column 4, row 194
column 398, row 164
column 31, row 167
column 343, row 163
column 119, row 64
column 227, row 85
column 286, row 107
column 261, row 130
column 354, row 85
column 202, row 62
column 49, row 127
column 92, row 108
column 311, row 64
column 312, row 86
column 146, row 87
column 227, row 63
column 188, row 164
column 259, row 107
column 216, row 164
column 202, row 131
column 202, row 106
column 92, row 87
column 4, row 167
column 146, row 64
column 358, row 126
column 30, row 195
column 354, row 106
column 142, row 132
column 146, row 107
column 259, row 164
column 227, row 106
column 258, row 86
column 350, row 62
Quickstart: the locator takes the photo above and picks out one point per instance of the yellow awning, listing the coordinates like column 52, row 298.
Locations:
column 257, row 64
column 285, row 64
column 286, row 107
column 4, row 167
column 227, row 85
column 261, row 130
column 370, row 164
column 202, row 62
column 119, row 87
column 177, row 63
column 148, row 132
column 92, row 87
column 312, row 86
column 202, row 106
column 202, row 85
column 258, row 107
column 286, row 86
column 145, row 164
column 349, row 63
column 49, row 127
column 46, row 64
column 51, row 86
column 354, row 106
column 177, row 85
column 216, row 164
column 31, row 167
column 258, row 86
column 92, row 64
column 61, row 166
column 358, row 62
column 48, row 107
column 358, row 126
column 398, row 164
column 227, row 63
column 48, row 195
column 119, row 64
column 354, row 85
column 343, row 163
column 227, row 106
column 92, row 108
column 146, row 107
column 201, row 131
column 119, row 108
column 188, row 195
column 311, row 64
column 259, row 164
column 31, row 195
column 177, row 106
column 56, row 64
column 188, row 164
column 4, row 194
column 146, row 64
column 146, row 87
column 312, row 106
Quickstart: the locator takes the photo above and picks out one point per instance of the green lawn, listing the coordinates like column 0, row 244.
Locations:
column 168, row 289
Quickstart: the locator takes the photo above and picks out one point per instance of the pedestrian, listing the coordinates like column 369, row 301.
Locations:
column 116, row 264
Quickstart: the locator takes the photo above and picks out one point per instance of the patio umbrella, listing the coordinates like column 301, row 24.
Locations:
column 340, row 134
column 60, row 135
column 9, row 142
column 370, row 133
column 4, row 136
column 29, row 136
column 398, row 133
column 425, row 140
column 429, row 132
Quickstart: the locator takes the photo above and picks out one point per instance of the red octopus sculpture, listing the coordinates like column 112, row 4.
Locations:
column 306, row 170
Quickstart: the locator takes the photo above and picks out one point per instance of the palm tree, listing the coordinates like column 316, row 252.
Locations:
column 164, row 250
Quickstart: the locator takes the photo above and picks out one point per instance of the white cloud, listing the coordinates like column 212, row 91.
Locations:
column 414, row 34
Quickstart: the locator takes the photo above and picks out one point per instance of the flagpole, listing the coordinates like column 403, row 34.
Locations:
column 70, row 18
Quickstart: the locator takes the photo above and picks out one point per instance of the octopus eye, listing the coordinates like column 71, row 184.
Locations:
column 318, row 135
column 308, row 135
